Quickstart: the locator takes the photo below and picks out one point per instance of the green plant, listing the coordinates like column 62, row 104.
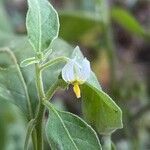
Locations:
column 46, row 65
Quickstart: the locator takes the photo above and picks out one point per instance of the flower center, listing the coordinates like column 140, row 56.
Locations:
column 76, row 89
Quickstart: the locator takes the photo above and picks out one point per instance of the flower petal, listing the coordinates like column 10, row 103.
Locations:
column 68, row 71
column 76, row 71
column 86, row 70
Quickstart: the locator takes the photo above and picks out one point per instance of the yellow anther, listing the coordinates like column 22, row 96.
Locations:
column 76, row 90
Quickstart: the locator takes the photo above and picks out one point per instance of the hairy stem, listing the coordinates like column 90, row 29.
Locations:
column 40, row 114
column 41, row 94
column 54, row 61
column 34, row 139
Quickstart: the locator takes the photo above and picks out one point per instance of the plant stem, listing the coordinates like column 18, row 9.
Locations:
column 54, row 61
column 41, row 95
column 40, row 114
column 34, row 139
column 107, row 142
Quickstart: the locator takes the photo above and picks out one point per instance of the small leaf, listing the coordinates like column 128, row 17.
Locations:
column 30, row 128
column 67, row 131
column 127, row 21
column 42, row 24
column 29, row 61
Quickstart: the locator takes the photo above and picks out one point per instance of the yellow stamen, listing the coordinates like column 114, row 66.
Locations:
column 76, row 90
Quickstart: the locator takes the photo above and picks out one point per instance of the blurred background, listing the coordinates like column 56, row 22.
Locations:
column 115, row 36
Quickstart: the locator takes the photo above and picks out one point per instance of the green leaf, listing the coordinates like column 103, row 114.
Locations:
column 21, row 48
column 67, row 131
column 98, row 108
column 42, row 24
column 12, row 134
column 12, row 83
column 3, row 129
column 29, row 61
column 127, row 21
column 76, row 24
column 30, row 128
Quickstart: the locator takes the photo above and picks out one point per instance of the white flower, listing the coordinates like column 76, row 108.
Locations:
column 76, row 73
